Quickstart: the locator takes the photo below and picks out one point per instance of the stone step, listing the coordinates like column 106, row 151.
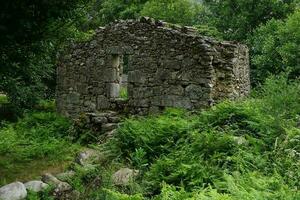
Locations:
column 114, row 119
column 99, row 120
column 110, row 134
column 109, row 127
column 106, row 114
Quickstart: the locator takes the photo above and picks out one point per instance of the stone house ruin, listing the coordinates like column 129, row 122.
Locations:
column 161, row 65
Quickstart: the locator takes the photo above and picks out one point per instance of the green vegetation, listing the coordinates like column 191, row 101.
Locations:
column 32, row 32
column 236, row 150
column 244, row 150
column 110, row 10
column 238, row 19
column 3, row 99
column 35, row 143
column 123, row 93
column 183, row 12
column 275, row 48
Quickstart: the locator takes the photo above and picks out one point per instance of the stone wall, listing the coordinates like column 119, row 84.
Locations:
column 167, row 66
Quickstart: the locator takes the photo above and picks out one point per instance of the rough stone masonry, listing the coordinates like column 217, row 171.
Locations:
column 164, row 65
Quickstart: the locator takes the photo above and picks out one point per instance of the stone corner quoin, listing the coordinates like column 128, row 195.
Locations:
column 161, row 65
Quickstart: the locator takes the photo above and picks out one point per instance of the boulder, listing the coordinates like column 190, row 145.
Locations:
column 240, row 140
column 124, row 176
column 62, row 191
column 13, row 191
column 65, row 176
column 114, row 119
column 60, row 186
column 36, row 186
column 88, row 156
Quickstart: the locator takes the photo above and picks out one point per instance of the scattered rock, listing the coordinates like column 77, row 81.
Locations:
column 240, row 140
column 112, row 113
column 123, row 176
column 109, row 127
column 36, row 186
column 114, row 119
column 60, row 186
column 100, row 120
column 69, row 195
column 88, row 156
column 50, row 179
column 110, row 134
column 13, row 191
column 65, row 175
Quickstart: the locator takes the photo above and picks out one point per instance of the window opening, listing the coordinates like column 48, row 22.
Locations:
column 124, row 77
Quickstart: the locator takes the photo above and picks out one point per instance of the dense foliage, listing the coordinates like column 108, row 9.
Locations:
column 110, row 10
column 237, row 19
column 275, row 48
column 242, row 150
column 183, row 12
column 31, row 34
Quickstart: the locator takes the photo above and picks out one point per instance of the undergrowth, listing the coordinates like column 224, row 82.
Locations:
column 240, row 150
column 37, row 136
column 236, row 150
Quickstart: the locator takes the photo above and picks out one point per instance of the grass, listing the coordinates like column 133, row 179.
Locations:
column 24, row 171
column 35, row 143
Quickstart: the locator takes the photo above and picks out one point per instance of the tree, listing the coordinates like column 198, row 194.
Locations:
column 184, row 12
column 110, row 10
column 275, row 48
column 237, row 19
column 31, row 34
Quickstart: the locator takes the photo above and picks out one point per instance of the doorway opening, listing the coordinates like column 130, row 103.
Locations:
column 118, row 87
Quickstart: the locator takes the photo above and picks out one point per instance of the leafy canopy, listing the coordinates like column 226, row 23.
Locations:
column 31, row 34
column 275, row 48
column 237, row 19
column 185, row 12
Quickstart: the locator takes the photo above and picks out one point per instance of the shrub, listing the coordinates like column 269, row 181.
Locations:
column 275, row 48
column 155, row 135
column 183, row 12
column 110, row 10
column 112, row 195
column 246, row 187
column 209, row 31
column 237, row 20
